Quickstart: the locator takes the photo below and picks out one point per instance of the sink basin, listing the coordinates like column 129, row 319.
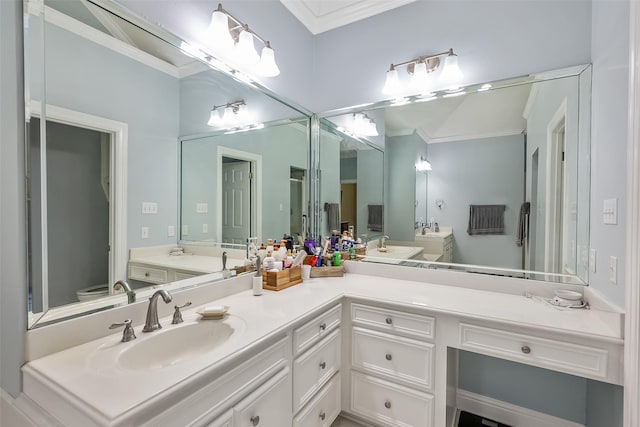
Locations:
column 174, row 344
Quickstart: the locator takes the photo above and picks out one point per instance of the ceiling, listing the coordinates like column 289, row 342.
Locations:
column 324, row 15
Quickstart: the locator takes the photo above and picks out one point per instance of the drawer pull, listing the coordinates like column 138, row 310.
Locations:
column 323, row 326
column 322, row 415
column 388, row 356
column 255, row 420
column 323, row 365
column 389, row 320
column 526, row 349
column 387, row 404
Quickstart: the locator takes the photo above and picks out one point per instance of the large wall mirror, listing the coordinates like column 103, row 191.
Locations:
column 122, row 157
column 491, row 179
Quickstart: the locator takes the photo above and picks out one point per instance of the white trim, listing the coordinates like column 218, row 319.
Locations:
column 507, row 413
column 256, row 196
column 531, row 100
column 551, row 200
column 318, row 22
column 632, row 273
column 67, row 23
column 475, row 136
column 119, row 132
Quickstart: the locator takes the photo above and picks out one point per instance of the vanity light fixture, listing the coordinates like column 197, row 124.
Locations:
column 423, row 165
column 420, row 69
column 234, row 40
column 364, row 125
column 233, row 115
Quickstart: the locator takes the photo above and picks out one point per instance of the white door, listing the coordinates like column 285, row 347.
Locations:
column 236, row 201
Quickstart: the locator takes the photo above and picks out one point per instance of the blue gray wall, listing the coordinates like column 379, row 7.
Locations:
column 370, row 187
column 460, row 178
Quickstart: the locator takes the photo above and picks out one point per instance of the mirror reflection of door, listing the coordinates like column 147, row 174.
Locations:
column 348, row 205
column 297, row 198
column 533, row 216
column 236, row 200
column 77, row 211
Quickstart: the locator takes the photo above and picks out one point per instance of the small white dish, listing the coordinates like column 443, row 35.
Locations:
column 568, row 295
column 216, row 312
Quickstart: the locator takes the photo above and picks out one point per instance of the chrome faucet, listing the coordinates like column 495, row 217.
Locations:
column 131, row 295
column 152, row 322
column 382, row 241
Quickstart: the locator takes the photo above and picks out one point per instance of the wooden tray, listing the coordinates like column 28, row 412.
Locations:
column 327, row 271
column 278, row 280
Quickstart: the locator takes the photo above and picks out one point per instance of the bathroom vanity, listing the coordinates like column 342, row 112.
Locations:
column 382, row 349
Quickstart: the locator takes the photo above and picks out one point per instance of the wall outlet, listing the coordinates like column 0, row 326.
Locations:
column 171, row 231
column 144, row 232
column 613, row 270
column 610, row 211
column 149, row 208
column 205, row 228
column 202, row 207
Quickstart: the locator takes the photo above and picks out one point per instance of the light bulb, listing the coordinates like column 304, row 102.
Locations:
column 372, row 129
column 215, row 119
column 451, row 76
column 392, row 85
column 245, row 50
column 243, row 116
column 267, row 66
column 218, row 32
column 420, row 79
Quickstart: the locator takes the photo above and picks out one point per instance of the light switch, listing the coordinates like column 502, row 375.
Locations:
column 149, row 208
column 205, row 228
column 592, row 260
column 144, row 232
column 171, row 231
column 613, row 270
column 610, row 211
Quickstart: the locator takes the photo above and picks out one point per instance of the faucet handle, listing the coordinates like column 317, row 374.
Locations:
column 177, row 315
column 127, row 334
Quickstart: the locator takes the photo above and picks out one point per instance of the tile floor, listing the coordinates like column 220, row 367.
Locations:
column 343, row 422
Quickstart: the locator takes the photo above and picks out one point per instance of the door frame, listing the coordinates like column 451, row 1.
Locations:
column 118, row 168
column 256, row 188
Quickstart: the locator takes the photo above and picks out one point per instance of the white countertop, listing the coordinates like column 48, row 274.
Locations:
column 196, row 263
column 393, row 254
column 112, row 391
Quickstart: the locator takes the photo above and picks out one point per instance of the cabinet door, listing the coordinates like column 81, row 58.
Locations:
column 268, row 406
column 224, row 420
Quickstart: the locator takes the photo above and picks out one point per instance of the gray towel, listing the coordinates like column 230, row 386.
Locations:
column 333, row 216
column 486, row 219
column 523, row 223
column 375, row 221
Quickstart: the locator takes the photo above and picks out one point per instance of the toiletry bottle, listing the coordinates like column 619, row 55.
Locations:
column 289, row 260
column 270, row 245
column 262, row 252
column 283, row 252
column 269, row 262
column 336, row 258
column 257, row 279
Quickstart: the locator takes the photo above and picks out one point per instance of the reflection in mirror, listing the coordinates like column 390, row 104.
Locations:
column 108, row 103
column 507, row 192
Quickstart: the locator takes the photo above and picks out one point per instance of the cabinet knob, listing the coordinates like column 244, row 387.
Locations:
column 255, row 420
column 146, row 274
column 389, row 320
column 323, row 365
column 387, row 404
column 388, row 356
column 525, row 349
column 322, row 415
column 323, row 326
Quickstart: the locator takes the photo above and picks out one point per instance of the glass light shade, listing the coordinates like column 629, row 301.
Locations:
column 215, row 119
column 423, row 165
column 243, row 116
column 228, row 117
column 420, row 78
column 372, row 130
column 451, row 76
column 267, row 66
column 219, row 36
column 392, row 85
column 245, row 51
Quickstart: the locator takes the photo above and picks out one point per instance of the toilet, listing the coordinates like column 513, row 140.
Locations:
column 93, row 292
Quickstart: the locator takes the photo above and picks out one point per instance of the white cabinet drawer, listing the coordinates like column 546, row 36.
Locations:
column 181, row 275
column 314, row 368
column 268, row 406
column 390, row 404
column 311, row 332
column 393, row 321
column 323, row 408
column 148, row 274
column 225, row 420
column 552, row 354
column 393, row 357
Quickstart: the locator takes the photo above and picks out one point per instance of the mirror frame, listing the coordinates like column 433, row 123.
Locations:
column 582, row 71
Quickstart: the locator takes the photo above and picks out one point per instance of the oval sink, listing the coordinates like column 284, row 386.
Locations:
column 174, row 344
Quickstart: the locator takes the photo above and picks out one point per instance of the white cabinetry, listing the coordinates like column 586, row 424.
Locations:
column 392, row 366
column 437, row 243
column 158, row 275
column 316, row 367
column 268, row 406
